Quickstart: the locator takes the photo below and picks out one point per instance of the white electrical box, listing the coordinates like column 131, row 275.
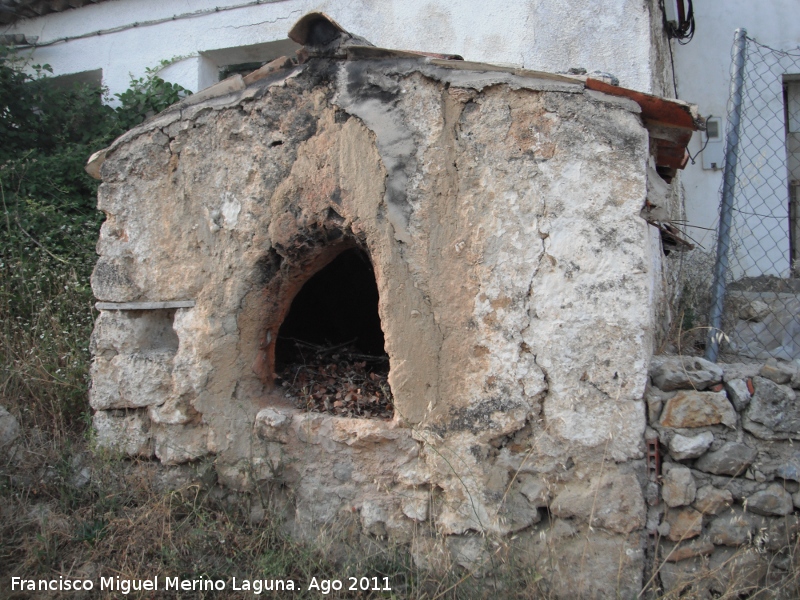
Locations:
column 713, row 152
column 671, row 12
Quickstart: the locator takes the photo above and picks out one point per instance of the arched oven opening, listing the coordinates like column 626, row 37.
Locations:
column 329, row 354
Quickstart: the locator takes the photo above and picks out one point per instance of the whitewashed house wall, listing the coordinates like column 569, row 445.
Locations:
column 614, row 36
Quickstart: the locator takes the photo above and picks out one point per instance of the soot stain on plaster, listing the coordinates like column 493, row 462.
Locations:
column 268, row 266
column 312, row 238
column 363, row 85
column 303, row 126
column 479, row 418
column 372, row 95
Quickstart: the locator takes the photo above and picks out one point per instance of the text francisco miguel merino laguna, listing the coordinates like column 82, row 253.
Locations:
column 255, row 586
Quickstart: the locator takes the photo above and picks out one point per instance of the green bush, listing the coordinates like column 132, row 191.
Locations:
column 48, row 230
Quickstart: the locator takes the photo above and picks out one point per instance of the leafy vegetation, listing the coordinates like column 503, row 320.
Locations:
column 147, row 96
column 49, row 228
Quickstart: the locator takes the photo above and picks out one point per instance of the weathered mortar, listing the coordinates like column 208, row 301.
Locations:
column 518, row 291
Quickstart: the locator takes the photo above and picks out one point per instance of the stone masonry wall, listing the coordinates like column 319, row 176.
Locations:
column 724, row 510
column 518, row 291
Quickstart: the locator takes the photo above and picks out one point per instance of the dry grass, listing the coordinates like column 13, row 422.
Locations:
column 66, row 512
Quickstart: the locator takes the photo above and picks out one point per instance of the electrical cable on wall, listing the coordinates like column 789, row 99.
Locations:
column 682, row 27
column 699, row 152
column 678, row 18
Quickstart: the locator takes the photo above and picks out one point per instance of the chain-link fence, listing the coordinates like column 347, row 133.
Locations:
column 756, row 289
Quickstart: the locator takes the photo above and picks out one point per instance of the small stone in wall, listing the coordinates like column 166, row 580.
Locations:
column 737, row 572
column 782, row 533
column 517, row 512
column 773, row 412
column 745, row 371
column 684, row 523
column 683, row 372
column 470, row 552
column 430, row 553
column 697, row 547
column 731, row 529
column 711, row 501
column 182, row 443
column 686, row 578
column 415, row 504
column 772, row 501
column 780, row 373
column 655, row 399
column 682, row 447
column 129, row 434
column 790, row 470
column 731, row 459
column 373, row 518
column 738, row 393
column 796, row 499
column 272, row 425
column 414, row 473
column 615, row 502
column 698, row 409
column 534, row 489
column 679, row 487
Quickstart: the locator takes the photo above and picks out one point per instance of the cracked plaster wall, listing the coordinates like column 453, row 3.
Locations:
column 518, row 291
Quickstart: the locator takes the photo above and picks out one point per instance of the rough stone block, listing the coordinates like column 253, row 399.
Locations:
column 782, row 533
column 688, row 578
column 415, row 504
column 698, row 409
column 535, row 489
column 754, row 311
column 696, row 547
column 175, row 444
column 518, row 512
column 778, row 372
column 738, row 393
column 470, row 552
column 711, row 501
column 373, row 518
column 736, row 572
column 273, row 425
column 131, row 380
column 614, row 502
column 617, row 562
column 789, row 470
column 655, row 399
column 773, row 501
column 124, row 431
column 773, row 412
column 684, row 523
column 679, row 487
column 732, row 459
column 740, row 371
column 683, row 448
column 684, row 372
column 731, row 529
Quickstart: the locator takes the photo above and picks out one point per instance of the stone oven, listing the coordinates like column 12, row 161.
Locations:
column 508, row 223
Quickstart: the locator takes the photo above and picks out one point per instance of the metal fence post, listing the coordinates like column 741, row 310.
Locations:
column 728, row 185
